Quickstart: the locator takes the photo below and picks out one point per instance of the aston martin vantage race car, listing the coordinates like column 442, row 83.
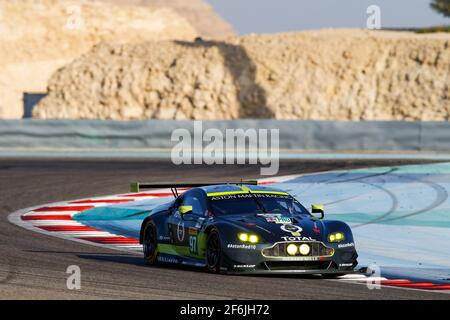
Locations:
column 246, row 228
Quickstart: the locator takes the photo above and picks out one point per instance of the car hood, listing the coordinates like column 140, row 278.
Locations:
column 278, row 227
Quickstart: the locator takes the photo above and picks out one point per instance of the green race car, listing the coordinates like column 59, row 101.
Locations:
column 246, row 228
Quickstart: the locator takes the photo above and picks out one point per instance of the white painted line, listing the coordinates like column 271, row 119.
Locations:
column 51, row 213
column 365, row 279
column 86, row 234
column 55, row 223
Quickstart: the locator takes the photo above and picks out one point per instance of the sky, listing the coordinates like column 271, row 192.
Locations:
column 270, row 16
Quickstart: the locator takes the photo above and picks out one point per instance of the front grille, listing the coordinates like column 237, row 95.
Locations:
column 279, row 250
column 297, row 265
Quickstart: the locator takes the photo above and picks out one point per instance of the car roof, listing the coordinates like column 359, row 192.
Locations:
column 234, row 188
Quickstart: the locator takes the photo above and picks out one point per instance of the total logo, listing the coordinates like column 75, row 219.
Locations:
column 297, row 239
column 292, row 229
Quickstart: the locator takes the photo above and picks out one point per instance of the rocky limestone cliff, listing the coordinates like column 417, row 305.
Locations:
column 39, row 36
column 197, row 12
column 319, row 75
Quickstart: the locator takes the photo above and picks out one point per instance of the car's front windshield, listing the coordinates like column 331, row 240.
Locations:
column 256, row 203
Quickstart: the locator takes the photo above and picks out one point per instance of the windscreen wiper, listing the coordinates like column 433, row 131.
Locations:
column 260, row 205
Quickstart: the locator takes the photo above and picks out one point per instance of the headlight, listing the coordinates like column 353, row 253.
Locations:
column 291, row 249
column 253, row 238
column 304, row 249
column 336, row 237
column 245, row 237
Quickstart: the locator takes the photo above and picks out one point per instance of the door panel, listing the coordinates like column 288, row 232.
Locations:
column 186, row 229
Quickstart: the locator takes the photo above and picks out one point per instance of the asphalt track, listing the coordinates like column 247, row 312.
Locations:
column 33, row 266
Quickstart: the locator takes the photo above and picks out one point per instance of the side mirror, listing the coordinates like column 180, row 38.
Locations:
column 185, row 210
column 318, row 208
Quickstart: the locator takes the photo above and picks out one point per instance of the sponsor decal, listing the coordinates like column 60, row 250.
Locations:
column 242, row 266
column 167, row 259
column 192, row 231
column 234, row 195
column 297, row 239
column 241, row 246
column 180, row 231
column 283, row 220
column 346, row 245
column 292, row 229
column 299, row 258
column 270, row 219
column 276, row 218
column 165, row 238
column 345, row 264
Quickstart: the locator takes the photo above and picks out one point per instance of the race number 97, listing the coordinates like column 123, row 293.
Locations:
column 193, row 245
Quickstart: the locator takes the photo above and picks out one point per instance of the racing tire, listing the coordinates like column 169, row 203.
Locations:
column 213, row 252
column 150, row 244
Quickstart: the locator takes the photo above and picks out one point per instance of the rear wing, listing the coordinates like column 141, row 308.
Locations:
column 138, row 186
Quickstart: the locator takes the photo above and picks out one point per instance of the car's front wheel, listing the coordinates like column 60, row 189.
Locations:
column 213, row 252
column 149, row 244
